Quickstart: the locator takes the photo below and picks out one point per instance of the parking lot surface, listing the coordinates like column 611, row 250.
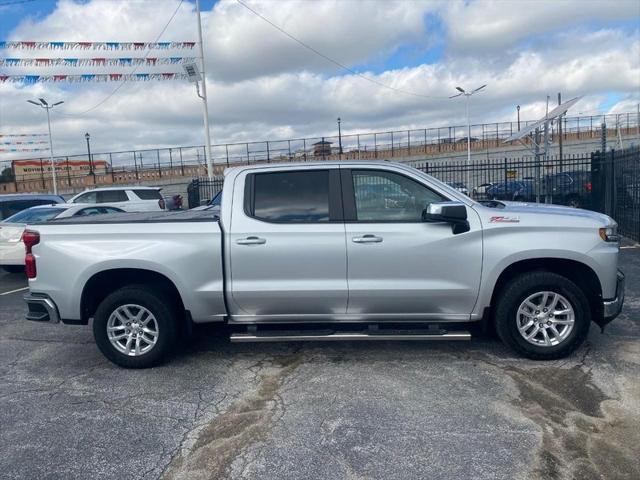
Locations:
column 379, row 410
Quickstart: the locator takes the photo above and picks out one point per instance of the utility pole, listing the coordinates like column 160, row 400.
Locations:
column 205, row 106
column 43, row 103
column 88, row 138
column 560, row 131
column 339, row 136
column 518, row 109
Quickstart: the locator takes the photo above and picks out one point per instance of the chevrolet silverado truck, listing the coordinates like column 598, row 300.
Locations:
column 329, row 251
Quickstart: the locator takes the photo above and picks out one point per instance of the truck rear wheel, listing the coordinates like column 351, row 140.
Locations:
column 135, row 327
column 542, row 315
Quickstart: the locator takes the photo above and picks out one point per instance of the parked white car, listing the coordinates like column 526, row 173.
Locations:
column 129, row 199
column 11, row 229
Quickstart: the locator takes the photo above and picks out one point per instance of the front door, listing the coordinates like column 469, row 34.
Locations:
column 399, row 266
column 287, row 246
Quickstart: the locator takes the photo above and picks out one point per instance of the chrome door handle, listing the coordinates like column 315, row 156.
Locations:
column 367, row 239
column 251, row 241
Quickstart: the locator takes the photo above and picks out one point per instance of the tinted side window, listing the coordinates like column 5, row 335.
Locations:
column 89, row 197
column 390, row 197
column 292, row 197
column 148, row 194
column 35, row 215
column 108, row 196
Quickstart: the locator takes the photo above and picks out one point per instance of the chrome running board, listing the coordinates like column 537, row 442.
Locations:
column 343, row 336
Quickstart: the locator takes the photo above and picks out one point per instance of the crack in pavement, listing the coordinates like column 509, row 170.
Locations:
column 245, row 422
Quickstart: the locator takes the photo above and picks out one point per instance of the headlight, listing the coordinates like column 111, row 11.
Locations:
column 609, row 234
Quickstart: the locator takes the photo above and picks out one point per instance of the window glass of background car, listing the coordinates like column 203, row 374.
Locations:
column 35, row 215
column 89, row 197
column 148, row 194
column 390, row 197
column 12, row 207
column 108, row 196
column 292, row 197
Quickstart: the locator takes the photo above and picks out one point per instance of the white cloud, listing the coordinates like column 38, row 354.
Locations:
column 263, row 85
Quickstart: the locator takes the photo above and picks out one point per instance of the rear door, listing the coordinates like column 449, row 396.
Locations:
column 287, row 246
column 400, row 267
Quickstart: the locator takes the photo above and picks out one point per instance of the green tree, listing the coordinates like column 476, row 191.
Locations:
column 6, row 175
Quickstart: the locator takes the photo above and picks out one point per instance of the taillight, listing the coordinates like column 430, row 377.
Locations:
column 30, row 238
column 588, row 186
column 161, row 204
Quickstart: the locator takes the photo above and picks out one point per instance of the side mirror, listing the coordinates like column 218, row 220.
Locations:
column 454, row 213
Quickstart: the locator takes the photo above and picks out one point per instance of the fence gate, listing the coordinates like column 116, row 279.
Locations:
column 202, row 190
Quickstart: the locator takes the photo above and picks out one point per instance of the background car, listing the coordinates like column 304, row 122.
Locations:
column 568, row 188
column 480, row 192
column 516, row 190
column 129, row 199
column 14, row 203
column 11, row 229
column 459, row 186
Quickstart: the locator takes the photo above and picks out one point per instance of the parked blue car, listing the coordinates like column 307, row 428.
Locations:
column 517, row 190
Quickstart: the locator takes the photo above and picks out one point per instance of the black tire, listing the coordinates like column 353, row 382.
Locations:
column 526, row 284
column 574, row 201
column 159, row 304
column 13, row 268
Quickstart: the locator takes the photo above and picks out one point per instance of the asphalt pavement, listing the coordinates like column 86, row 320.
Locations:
column 378, row 410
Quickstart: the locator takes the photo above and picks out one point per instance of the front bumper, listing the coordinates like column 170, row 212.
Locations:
column 611, row 308
column 41, row 308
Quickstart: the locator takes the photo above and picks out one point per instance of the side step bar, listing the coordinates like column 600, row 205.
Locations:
column 343, row 336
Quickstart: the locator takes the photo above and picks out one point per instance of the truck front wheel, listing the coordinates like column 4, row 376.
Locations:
column 542, row 315
column 134, row 327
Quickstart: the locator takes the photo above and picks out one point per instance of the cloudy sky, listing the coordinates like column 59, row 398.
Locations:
column 263, row 85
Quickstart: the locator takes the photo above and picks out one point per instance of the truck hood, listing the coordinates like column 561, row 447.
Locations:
column 540, row 213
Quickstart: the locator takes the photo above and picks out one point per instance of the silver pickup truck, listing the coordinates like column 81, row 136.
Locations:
column 329, row 251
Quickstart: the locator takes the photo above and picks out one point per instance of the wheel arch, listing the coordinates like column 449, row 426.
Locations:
column 102, row 283
column 579, row 273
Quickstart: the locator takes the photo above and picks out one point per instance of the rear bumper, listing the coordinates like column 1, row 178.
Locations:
column 611, row 308
column 41, row 308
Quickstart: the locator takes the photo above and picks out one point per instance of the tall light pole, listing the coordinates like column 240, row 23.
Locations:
column 43, row 103
column 467, row 95
column 205, row 106
column 88, row 138
column 339, row 136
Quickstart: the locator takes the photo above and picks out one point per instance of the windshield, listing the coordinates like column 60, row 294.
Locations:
column 32, row 215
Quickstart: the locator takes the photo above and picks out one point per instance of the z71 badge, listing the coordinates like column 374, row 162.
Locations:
column 500, row 219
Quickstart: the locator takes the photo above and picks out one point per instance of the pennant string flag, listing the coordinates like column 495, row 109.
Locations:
column 9, row 135
column 94, row 62
column 29, row 45
column 92, row 77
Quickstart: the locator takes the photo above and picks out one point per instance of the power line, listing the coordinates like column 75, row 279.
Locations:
column 115, row 90
column 335, row 62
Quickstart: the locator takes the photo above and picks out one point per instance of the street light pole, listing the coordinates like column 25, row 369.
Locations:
column 43, row 103
column 88, row 137
column 205, row 109
column 339, row 136
column 467, row 95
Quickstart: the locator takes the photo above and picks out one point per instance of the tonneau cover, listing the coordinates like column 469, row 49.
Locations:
column 141, row 217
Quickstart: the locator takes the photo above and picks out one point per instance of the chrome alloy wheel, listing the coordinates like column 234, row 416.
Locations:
column 132, row 330
column 545, row 319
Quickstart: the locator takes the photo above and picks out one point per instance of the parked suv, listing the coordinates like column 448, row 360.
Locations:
column 12, row 204
column 568, row 188
column 129, row 199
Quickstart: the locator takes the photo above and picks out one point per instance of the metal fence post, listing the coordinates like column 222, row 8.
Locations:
column 226, row 147
column 68, row 173
column 391, row 144
column 248, row 160
column 42, row 174
column 181, row 162
column 135, row 164
column 158, row 157
column 375, row 145
column 111, row 165
column 268, row 156
column 408, row 142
